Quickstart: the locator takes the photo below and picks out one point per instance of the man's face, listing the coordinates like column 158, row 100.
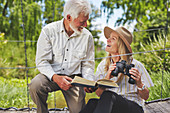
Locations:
column 78, row 23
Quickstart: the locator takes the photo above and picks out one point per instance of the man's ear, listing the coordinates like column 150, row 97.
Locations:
column 69, row 18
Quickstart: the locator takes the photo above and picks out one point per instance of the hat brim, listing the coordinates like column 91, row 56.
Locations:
column 108, row 31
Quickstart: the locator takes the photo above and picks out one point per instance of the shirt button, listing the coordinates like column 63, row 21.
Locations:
column 65, row 59
column 63, row 68
column 67, row 49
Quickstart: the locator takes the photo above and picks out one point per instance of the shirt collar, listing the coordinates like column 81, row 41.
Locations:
column 62, row 26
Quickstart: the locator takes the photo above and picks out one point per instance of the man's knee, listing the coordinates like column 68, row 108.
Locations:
column 35, row 85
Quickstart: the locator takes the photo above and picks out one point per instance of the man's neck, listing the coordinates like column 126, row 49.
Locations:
column 68, row 30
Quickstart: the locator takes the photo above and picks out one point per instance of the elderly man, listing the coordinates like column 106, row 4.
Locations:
column 62, row 48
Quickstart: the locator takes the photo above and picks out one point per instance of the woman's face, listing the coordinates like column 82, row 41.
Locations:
column 112, row 46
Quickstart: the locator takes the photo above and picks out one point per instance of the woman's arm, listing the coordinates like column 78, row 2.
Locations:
column 144, row 92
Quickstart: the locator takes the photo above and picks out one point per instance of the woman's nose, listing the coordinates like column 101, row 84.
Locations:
column 108, row 40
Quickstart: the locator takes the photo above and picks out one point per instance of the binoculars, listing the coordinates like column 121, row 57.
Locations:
column 122, row 67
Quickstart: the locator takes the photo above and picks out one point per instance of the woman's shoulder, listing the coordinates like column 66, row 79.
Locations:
column 102, row 63
column 137, row 63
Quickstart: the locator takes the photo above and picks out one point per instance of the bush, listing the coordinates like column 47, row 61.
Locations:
column 155, row 91
column 98, row 56
column 2, row 40
column 154, row 61
column 13, row 55
column 13, row 93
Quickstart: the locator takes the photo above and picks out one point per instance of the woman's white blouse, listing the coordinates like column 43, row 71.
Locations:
column 125, row 89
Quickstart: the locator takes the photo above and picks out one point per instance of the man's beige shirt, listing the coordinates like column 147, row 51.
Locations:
column 57, row 53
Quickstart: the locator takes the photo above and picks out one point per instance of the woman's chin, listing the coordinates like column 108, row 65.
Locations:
column 107, row 50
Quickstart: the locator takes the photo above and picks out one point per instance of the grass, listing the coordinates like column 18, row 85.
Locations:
column 13, row 92
column 155, row 92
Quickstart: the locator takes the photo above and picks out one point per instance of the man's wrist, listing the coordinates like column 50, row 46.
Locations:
column 54, row 76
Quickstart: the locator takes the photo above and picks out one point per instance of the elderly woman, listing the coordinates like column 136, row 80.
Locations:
column 128, row 97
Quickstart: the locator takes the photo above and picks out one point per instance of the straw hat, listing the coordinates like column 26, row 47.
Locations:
column 124, row 34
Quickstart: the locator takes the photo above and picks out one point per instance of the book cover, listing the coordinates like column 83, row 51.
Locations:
column 79, row 81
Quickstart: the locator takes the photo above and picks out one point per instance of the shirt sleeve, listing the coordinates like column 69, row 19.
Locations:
column 100, row 73
column 88, row 64
column 44, row 55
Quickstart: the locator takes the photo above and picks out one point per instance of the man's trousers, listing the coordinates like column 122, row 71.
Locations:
column 40, row 86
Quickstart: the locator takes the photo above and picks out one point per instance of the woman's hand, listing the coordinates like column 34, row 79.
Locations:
column 136, row 76
column 99, row 91
column 111, row 68
column 89, row 90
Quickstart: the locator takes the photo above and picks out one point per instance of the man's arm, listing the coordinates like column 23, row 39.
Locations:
column 44, row 55
column 89, row 63
column 43, row 59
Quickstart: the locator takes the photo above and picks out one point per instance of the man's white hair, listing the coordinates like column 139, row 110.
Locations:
column 75, row 7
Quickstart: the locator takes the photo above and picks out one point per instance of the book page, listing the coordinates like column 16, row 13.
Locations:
column 107, row 83
column 83, row 82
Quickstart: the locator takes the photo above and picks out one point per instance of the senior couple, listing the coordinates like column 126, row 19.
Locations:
column 65, row 49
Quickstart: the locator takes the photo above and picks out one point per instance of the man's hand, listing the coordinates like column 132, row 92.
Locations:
column 62, row 81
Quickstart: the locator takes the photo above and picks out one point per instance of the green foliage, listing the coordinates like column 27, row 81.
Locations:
column 13, row 93
column 154, row 61
column 2, row 41
column 155, row 91
column 53, row 10
column 154, row 12
column 93, row 28
column 148, row 15
column 98, row 55
column 12, row 55
column 33, row 12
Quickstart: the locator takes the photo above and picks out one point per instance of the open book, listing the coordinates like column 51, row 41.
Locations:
column 79, row 81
